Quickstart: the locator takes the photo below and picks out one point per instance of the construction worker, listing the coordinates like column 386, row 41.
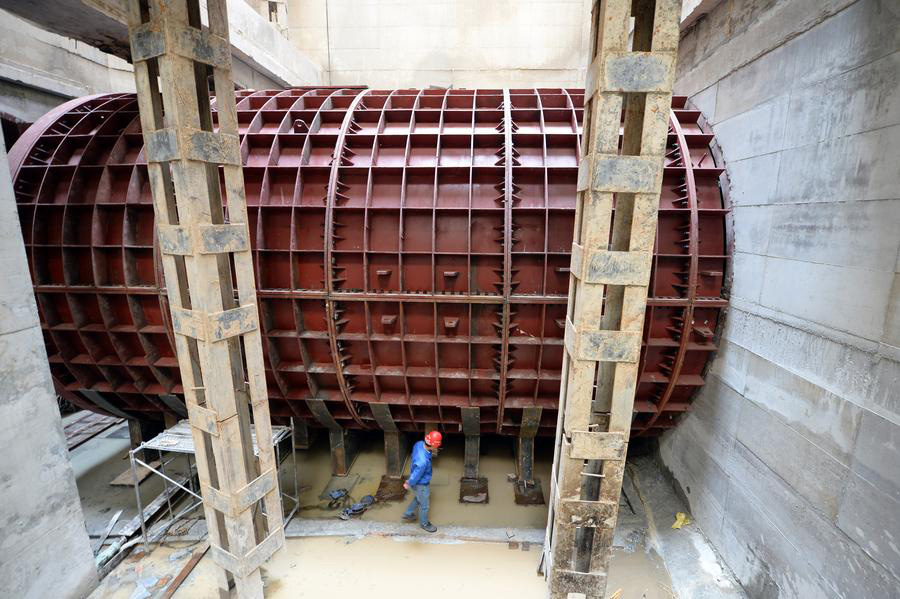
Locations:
column 419, row 481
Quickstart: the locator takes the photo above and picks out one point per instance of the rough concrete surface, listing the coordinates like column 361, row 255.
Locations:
column 102, row 23
column 469, row 43
column 789, row 457
column 40, row 69
column 40, row 516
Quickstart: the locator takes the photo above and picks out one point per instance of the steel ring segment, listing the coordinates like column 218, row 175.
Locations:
column 319, row 100
column 679, row 155
column 411, row 249
column 332, row 310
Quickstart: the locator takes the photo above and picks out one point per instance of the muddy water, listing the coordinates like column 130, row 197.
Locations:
column 496, row 462
column 380, row 567
column 391, row 567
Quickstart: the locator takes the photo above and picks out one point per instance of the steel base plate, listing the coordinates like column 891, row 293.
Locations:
column 531, row 494
column 390, row 489
column 473, row 490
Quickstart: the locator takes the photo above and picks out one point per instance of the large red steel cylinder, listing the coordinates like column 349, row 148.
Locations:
column 411, row 249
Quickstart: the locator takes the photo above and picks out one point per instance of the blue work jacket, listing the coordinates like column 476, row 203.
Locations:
column 420, row 468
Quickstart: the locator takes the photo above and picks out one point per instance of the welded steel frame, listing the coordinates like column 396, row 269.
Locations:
column 629, row 89
column 85, row 209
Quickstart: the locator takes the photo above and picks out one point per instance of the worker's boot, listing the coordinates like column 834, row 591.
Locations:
column 429, row 527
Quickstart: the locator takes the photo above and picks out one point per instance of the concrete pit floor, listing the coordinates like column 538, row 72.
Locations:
column 478, row 551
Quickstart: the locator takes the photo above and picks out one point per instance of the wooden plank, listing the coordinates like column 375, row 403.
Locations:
column 124, row 479
column 185, row 571
column 88, row 426
column 598, row 446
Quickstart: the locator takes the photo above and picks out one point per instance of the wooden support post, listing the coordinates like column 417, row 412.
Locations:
column 628, row 87
column 472, row 487
column 196, row 180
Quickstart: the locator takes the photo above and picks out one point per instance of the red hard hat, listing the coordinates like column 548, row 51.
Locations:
column 434, row 438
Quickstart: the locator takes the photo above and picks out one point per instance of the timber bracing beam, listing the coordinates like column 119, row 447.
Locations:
column 629, row 86
column 197, row 184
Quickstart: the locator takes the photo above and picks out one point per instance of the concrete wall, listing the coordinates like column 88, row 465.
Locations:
column 466, row 43
column 44, row 547
column 40, row 70
column 791, row 458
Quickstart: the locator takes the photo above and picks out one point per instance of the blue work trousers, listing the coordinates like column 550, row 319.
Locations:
column 421, row 500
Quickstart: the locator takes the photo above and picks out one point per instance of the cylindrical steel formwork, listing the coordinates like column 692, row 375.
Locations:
column 411, row 250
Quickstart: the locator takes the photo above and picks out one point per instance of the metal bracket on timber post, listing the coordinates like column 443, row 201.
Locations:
column 197, row 185
column 472, row 488
column 628, row 88
column 395, row 444
column 343, row 443
column 528, row 488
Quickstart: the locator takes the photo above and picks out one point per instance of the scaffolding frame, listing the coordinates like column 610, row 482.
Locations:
column 178, row 440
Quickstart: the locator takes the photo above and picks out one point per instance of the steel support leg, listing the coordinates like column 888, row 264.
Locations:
column 472, row 488
column 301, row 434
column 528, row 488
column 395, row 449
column 344, row 448
column 344, row 444
column 135, row 436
